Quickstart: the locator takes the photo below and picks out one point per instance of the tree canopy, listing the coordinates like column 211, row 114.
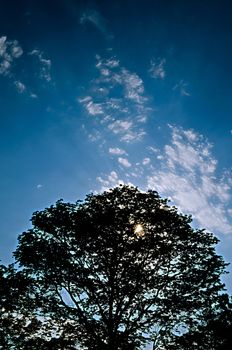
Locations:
column 119, row 270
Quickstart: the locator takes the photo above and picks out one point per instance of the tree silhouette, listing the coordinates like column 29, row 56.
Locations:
column 215, row 332
column 20, row 328
column 16, row 324
column 119, row 270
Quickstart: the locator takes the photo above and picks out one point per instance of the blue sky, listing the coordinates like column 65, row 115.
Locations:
column 97, row 93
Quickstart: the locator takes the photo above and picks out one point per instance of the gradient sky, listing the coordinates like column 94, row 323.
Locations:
column 97, row 93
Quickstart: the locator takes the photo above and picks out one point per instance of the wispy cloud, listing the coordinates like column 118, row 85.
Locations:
column 109, row 181
column 112, row 74
column 34, row 96
column 126, row 130
column 20, row 86
column 189, row 176
column 44, row 65
column 146, row 161
column 185, row 171
column 9, row 51
column 156, row 69
column 182, row 87
column 123, row 113
column 95, row 135
column 133, row 86
column 92, row 108
column 97, row 20
column 117, row 151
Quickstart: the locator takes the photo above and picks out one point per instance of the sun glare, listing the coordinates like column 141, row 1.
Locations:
column 138, row 230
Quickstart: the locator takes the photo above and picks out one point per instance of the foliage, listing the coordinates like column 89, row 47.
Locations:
column 20, row 327
column 119, row 270
column 14, row 324
column 215, row 333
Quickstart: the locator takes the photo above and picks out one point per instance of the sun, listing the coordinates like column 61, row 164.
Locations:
column 138, row 230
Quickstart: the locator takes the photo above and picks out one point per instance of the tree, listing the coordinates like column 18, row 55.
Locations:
column 119, row 270
column 20, row 328
column 15, row 326
column 215, row 333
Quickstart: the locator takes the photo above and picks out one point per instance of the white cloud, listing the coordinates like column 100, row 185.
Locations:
column 124, row 162
column 120, row 126
column 124, row 115
column 2, row 45
column 91, row 107
column 182, row 87
column 189, row 176
column 84, row 99
column 133, row 136
column 109, row 63
column 20, row 86
column 111, row 180
column 146, row 161
column 157, row 70
column 5, row 67
column 94, row 108
column 16, row 50
column 45, row 65
column 130, row 82
column 94, row 136
column 133, row 86
column 39, row 186
column 141, row 118
column 112, row 62
column 95, row 18
column 32, row 95
column 153, row 149
column 127, row 130
column 117, row 151
column 9, row 51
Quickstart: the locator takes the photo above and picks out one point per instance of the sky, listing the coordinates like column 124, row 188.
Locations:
column 98, row 93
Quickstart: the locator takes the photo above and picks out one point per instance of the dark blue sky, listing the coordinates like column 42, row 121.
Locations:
column 94, row 93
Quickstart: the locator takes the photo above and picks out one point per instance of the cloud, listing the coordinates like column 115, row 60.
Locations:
column 133, row 86
column 124, row 162
column 110, row 181
column 96, row 19
column 127, row 130
column 95, row 135
column 110, row 62
column 182, row 87
column 188, row 175
column 117, row 151
column 120, row 126
column 157, row 70
column 32, row 95
column 113, row 74
column 20, row 86
column 9, row 51
column 45, row 65
column 93, row 108
column 146, row 161
column 117, row 100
